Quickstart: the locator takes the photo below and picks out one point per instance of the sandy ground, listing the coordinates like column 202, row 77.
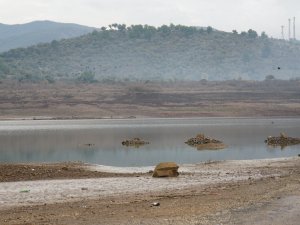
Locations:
column 225, row 192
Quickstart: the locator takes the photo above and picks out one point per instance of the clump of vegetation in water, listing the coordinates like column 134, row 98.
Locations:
column 203, row 142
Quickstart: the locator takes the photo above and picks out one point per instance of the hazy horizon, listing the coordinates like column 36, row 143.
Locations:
column 264, row 15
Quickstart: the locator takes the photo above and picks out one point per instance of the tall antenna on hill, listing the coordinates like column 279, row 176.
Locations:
column 282, row 32
column 294, row 28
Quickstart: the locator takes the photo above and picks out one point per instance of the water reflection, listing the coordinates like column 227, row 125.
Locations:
column 52, row 141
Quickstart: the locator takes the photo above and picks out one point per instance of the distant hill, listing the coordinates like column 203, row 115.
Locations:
column 24, row 35
column 148, row 53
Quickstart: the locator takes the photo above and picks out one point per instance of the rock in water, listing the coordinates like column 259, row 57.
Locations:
column 135, row 142
column 202, row 142
column 166, row 169
column 283, row 140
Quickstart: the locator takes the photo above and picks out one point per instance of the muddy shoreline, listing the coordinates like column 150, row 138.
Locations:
column 140, row 117
column 204, row 193
column 51, row 171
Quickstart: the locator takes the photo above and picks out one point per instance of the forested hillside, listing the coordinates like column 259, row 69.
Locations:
column 24, row 35
column 147, row 53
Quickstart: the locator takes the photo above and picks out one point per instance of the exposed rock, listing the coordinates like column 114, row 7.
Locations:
column 166, row 169
column 135, row 142
column 202, row 142
column 283, row 140
column 155, row 204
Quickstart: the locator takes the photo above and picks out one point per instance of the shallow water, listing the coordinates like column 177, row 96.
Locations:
column 65, row 140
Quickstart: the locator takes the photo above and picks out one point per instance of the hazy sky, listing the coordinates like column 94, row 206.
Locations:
column 260, row 15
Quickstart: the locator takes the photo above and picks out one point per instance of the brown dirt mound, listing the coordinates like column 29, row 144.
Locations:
column 68, row 170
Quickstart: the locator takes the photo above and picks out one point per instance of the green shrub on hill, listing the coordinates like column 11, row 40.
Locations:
column 143, row 52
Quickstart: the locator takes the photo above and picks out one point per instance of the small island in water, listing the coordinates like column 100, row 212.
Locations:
column 201, row 142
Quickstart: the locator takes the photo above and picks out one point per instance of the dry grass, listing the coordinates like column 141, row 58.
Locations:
column 122, row 100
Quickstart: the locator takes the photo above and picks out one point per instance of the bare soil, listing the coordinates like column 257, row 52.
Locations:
column 229, row 192
column 67, row 100
column 43, row 171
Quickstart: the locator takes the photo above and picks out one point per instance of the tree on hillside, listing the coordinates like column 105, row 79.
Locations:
column 185, row 30
column 209, row 29
column 264, row 35
column 87, row 77
column 29, row 77
column 55, row 43
column 269, row 77
column 94, row 33
column 135, row 31
column 50, row 79
column 121, row 27
column 201, row 31
column 4, row 70
column 115, row 26
column 149, row 31
column 189, row 30
column 164, row 30
column 243, row 33
column 252, row 33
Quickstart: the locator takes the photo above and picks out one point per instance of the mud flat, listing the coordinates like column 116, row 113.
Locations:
column 206, row 193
